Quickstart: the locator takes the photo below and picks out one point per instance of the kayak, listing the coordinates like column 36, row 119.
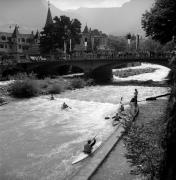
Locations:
column 82, row 156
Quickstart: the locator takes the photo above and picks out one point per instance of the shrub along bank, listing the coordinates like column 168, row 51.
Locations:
column 168, row 165
column 29, row 86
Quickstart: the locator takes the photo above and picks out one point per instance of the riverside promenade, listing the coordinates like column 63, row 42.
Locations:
column 109, row 162
column 116, row 166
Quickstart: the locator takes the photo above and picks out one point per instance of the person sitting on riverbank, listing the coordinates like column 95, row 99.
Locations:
column 65, row 106
column 89, row 145
column 121, row 108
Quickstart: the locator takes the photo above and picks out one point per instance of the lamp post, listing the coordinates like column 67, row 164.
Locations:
column 67, row 37
column 128, row 36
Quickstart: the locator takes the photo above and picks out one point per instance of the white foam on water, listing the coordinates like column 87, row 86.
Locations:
column 159, row 75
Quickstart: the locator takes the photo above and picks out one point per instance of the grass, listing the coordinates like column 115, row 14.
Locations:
column 143, row 140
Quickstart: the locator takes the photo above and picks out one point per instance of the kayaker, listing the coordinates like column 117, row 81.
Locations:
column 52, row 97
column 89, row 145
column 65, row 106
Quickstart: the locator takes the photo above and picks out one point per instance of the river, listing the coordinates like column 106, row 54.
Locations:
column 38, row 140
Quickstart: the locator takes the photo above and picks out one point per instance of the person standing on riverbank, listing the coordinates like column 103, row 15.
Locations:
column 135, row 96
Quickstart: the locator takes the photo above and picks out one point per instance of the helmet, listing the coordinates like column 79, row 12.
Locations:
column 89, row 141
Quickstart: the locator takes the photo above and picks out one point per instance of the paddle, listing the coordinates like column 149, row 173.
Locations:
column 155, row 97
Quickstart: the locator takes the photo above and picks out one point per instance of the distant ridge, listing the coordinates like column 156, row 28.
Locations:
column 31, row 15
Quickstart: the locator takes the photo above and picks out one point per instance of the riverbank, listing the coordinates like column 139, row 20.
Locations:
column 116, row 166
column 32, row 87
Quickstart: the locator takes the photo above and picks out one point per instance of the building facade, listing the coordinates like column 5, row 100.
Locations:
column 18, row 43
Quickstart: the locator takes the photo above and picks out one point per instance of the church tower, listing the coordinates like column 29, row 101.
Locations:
column 49, row 19
column 16, row 46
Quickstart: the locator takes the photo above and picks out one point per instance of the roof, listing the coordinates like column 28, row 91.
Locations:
column 86, row 30
column 49, row 19
column 15, row 32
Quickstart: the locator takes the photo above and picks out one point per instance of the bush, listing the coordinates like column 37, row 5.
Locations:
column 77, row 83
column 90, row 82
column 55, row 89
column 24, row 89
column 22, row 76
column 1, row 100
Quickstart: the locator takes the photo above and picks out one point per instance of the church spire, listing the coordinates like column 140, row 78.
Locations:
column 49, row 19
column 15, row 32
column 86, row 30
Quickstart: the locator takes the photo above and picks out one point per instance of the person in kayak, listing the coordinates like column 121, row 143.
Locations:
column 65, row 106
column 52, row 97
column 89, row 145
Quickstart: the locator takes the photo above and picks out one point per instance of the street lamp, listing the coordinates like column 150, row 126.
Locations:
column 128, row 36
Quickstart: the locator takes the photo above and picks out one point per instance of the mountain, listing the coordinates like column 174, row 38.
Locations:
column 118, row 21
column 31, row 15
column 28, row 14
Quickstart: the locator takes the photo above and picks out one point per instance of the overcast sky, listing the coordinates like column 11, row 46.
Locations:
column 75, row 4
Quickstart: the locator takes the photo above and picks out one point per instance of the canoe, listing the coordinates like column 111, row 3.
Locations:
column 82, row 156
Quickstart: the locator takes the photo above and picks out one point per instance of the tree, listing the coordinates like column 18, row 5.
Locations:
column 47, row 40
column 160, row 21
column 62, row 30
column 117, row 43
column 151, row 46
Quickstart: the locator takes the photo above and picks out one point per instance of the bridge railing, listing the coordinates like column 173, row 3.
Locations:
column 88, row 57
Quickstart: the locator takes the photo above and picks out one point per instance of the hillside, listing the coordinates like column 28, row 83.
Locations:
column 31, row 15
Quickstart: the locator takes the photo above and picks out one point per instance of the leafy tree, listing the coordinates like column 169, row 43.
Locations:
column 160, row 21
column 150, row 45
column 62, row 30
column 47, row 39
column 117, row 43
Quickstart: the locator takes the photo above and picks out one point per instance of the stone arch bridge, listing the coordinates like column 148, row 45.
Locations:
column 94, row 67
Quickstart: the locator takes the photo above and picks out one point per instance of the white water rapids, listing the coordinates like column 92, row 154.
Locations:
column 38, row 140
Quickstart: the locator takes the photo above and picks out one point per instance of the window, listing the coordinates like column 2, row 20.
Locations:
column 9, row 39
column 6, row 46
column 19, row 47
column 3, row 38
column 18, row 39
column 23, row 40
column 1, row 46
column 28, row 40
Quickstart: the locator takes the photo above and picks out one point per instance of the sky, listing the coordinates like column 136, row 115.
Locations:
column 75, row 4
